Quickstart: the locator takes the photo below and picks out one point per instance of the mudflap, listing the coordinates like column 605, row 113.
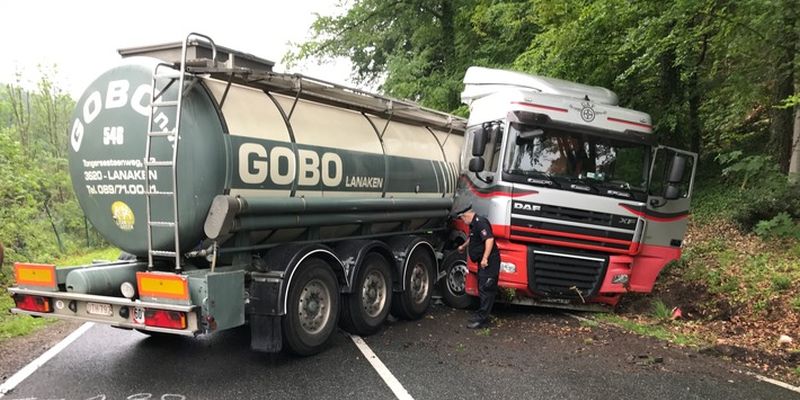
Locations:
column 265, row 333
column 264, row 311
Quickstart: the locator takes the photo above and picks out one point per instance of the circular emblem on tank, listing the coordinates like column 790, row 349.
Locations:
column 122, row 215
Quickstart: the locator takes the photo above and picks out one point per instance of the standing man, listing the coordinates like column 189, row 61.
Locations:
column 483, row 251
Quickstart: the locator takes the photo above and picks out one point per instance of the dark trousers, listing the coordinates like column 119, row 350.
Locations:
column 487, row 286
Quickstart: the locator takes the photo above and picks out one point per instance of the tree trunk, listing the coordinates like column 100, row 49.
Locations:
column 782, row 119
column 794, row 164
column 693, row 123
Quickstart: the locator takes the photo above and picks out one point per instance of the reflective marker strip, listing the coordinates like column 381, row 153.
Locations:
column 162, row 285
column 35, row 274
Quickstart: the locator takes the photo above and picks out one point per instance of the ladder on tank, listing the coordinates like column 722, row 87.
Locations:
column 150, row 163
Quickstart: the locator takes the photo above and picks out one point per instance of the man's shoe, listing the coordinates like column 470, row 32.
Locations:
column 476, row 324
column 474, row 318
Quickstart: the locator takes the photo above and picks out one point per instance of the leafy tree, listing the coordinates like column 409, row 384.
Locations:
column 39, row 215
column 420, row 49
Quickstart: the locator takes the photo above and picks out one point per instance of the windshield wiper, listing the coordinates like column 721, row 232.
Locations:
column 622, row 189
column 580, row 184
column 537, row 178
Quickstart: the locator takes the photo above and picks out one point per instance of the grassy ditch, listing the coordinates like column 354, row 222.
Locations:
column 12, row 325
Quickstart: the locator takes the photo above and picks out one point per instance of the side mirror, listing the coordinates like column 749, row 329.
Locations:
column 476, row 164
column 676, row 169
column 479, row 143
column 672, row 192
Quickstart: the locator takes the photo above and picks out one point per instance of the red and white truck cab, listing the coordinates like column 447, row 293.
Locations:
column 584, row 205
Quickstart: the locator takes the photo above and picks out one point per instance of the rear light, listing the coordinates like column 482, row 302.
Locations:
column 165, row 319
column 33, row 303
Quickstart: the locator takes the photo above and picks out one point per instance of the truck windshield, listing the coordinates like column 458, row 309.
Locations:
column 577, row 161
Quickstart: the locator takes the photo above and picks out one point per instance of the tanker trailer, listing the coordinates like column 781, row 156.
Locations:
column 250, row 196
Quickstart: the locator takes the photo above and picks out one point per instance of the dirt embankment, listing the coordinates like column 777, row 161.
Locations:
column 737, row 293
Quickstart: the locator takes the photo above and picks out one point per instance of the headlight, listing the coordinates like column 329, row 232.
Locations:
column 620, row 279
column 508, row 267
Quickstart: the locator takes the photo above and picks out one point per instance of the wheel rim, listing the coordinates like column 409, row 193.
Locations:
column 373, row 293
column 457, row 278
column 314, row 306
column 419, row 283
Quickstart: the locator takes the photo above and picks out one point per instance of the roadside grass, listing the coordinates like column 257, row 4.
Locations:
column 107, row 254
column 12, row 325
column 657, row 330
column 589, row 323
column 743, row 268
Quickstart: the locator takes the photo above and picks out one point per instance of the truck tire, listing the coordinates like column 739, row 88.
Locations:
column 413, row 302
column 312, row 308
column 455, row 281
column 364, row 311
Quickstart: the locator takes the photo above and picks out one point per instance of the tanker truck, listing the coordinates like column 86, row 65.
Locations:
column 245, row 196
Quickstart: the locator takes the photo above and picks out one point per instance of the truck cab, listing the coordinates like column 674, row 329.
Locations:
column 584, row 204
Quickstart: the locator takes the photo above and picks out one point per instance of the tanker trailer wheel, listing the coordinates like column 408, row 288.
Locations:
column 312, row 308
column 413, row 302
column 364, row 311
column 454, row 284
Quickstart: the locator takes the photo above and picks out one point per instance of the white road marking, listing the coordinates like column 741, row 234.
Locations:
column 777, row 383
column 29, row 369
column 757, row 376
column 397, row 388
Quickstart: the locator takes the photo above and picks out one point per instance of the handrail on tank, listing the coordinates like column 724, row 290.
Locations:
column 201, row 36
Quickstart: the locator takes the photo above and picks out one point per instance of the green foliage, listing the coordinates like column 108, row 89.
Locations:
column 660, row 311
column 781, row 282
column 736, row 163
column 40, row 218
column 772, row 201
column 483, row 332
column 87, row 256
column 690, row 64
column 589, row 323
column 796, row 303
column 780, row 226
column 657, row 331
column 420, row 49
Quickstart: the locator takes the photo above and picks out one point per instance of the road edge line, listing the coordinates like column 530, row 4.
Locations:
column 29, row 369
column 775, row 382
column 761, row 378
column 394, row 385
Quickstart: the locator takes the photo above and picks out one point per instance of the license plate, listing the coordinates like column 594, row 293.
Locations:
column 99, row 309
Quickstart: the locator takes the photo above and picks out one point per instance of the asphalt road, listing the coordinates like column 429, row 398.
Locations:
column 530, row 354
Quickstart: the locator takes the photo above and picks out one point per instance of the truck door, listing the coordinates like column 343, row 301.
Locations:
column 670, row 188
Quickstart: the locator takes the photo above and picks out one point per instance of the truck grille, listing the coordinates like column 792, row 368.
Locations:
column 571, row 227
column 562, row 275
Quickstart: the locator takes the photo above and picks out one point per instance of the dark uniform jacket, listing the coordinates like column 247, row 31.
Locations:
column 479, row 231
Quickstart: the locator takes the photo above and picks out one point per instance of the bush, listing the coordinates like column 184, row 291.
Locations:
column 768, row 201
column 780, row 226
